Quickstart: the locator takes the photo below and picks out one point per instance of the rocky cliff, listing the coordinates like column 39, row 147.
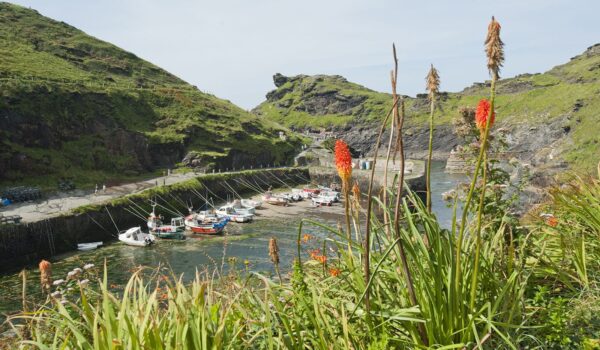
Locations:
column 75, row 106
column 549, row 119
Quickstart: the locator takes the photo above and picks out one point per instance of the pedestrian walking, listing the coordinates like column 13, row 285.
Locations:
column 104, row 188
column 96, row 190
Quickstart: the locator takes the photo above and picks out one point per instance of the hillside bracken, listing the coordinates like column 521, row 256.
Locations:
column 78, row 107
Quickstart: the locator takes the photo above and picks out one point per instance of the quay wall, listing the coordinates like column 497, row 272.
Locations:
column 25, row 244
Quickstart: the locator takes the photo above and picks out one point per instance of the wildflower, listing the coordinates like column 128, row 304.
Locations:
column 77, row 270
column 246, row 262
column 58, row 282
column 482, row 113
column 45, row 275
column 71, row 275
column 306, row 237
column 320, row 258
column 314, row 253
column 56, row 295
column 88, row 266
column 552, row 221
column 274, row 251
column 84, row 283
column 343, row 161
column 494, row 49
column 433, row 82
column 63, row 301
column 334, row 272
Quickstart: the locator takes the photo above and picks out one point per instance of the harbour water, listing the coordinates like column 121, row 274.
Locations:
column 243, row 243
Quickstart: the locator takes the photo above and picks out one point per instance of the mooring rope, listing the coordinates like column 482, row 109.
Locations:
column 97, row 223
column 111, row 218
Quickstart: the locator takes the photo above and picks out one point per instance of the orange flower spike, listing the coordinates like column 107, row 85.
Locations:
column 306, row 237
column 334, row 272
column 482, row 113
column 343, row 161
column 45, row 275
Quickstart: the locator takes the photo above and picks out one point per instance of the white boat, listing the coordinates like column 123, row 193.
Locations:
column 274, row 200
column 240, row 208
column 250, row 203
column 293, row 197
column 136, row 237
column 88, row 246
column 333, row 195
column 322, row 200
column 233, row 215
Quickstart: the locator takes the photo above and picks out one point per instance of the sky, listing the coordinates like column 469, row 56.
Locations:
column 232, row 48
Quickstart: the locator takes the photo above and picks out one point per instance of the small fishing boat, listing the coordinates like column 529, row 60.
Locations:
column 274, row 200
column 250, row 203
column 88, row 246
column 233, row 215
column 207, row 223
column 173, row 231
column 136, row 237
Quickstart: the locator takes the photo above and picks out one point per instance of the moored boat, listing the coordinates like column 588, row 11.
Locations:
column 206, row 223
column 233, row 215
column 136, row 237
column 240, row 208
column 251, row 203
column 173, row 231
column 274, row 200
column 322, row 200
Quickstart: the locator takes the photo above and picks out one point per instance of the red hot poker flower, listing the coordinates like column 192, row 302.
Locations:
column 343, row 160
column 482, row 113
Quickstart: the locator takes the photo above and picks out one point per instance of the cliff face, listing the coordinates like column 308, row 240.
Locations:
column 75, row 106
column 549, row 119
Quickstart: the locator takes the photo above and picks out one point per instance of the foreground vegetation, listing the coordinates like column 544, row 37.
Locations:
column 396, row 279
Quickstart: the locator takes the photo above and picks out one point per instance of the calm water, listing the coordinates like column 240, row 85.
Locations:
column 243, row 242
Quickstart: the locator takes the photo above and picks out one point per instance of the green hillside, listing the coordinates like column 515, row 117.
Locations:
column 569, row 91
column 75, row 106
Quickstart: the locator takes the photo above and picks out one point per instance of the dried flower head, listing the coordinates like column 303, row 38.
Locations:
column 274, row 251
column 494, row 49
column 433, row 82
column 482, row 113
column 343, row 161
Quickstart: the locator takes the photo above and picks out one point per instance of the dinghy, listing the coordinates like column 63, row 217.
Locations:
column 135, row 237
column 88, row 246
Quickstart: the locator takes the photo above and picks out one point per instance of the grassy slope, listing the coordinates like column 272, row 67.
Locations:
column 58, row 76
column 529, row 99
